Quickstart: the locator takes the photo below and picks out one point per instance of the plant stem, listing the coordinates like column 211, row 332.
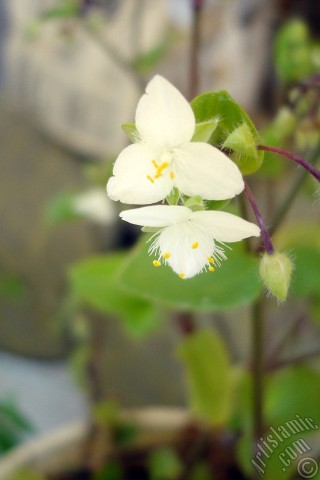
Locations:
column 185, row 323
column 295, row 158
column 264, row 231
column 257, row 365
column 292, row 193
column 197, row 6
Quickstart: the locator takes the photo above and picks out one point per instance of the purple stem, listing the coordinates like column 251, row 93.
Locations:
column 197, row 7
column 295, row 158
column 197, row 4
column 264, row 232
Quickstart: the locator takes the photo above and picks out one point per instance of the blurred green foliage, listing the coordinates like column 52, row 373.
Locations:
column 14, row 425
column 296, row 54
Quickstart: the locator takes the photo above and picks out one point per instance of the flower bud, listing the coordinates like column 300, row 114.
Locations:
column 243, row 143
column 275, row 272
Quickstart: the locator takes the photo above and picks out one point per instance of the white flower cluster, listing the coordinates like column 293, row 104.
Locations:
column 163, row 158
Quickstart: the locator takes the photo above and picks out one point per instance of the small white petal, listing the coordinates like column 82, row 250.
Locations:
column 202, row 169
column 225, row 227
column 163, row 116
column 133, row 180
column 185, row 247
column 156, row 216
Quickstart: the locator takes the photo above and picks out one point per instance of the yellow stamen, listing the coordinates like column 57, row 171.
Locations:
column 172, row 175
column 150, row 179
column 160, row 168
column 182, row 275
column 195, row 245
column 211, row 259
column 156, row 263
column 211, row 269
column 166, row 255
column 154, row 163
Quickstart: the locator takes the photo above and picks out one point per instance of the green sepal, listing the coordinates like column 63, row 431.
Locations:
column 131, row 131
column 241, row 141
column 216, row 204
column 204, row 130
column 195, row 203
column 173, row 197
column 150, row 229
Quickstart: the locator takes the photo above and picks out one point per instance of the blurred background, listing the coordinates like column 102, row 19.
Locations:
column 70, row 74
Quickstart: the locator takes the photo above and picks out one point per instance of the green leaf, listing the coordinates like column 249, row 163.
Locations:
column 306, row 275
column 164, row 464
column 204, row 130
column 291, row 395
column 10, row 414
column 112, row 470
column 235, row 283
column 292, row 410
column 269, row 468
column 131, row 131
column 209, row 376
column 294, row 391
column 13, row 425
column 304, row 233
column 220, row 105
column 93, row 282
column 11, row 287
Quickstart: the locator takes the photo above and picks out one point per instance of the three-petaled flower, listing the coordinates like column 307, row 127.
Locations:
column 165, row 157
column 186, row 240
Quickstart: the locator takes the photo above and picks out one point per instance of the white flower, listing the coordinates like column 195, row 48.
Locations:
column 95, row 205
column 164, row 155
column 187, row 240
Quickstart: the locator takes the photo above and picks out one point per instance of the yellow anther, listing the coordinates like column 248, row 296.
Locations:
column 195, row 245
column 172, row 175
column 166, row 255
column 154, row 163
column 156, row 263
column 210, row 259
column 160, row 168
column 182, row 275
column 150, row 179
column 211, row 269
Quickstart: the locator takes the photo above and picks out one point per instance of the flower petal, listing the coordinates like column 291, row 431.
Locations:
column 133, row 180
column 185, row 247
column 201, row 169
column 157, row 215
column 163, row 116
column 225, row 227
